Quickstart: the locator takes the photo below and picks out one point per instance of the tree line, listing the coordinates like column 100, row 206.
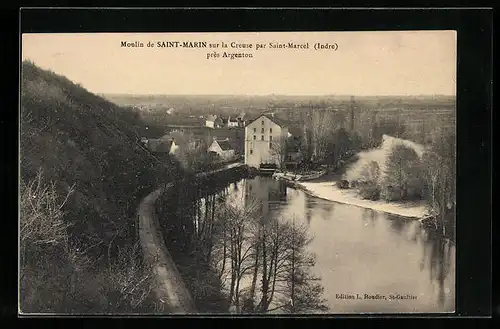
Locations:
column 408, row 176
column 327, row 140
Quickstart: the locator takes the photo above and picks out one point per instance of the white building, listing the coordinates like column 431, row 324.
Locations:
column 213, row 121
column 259, row 136
column 174, row 143
column 210, row 121
column 223, row 148
column 232, row 123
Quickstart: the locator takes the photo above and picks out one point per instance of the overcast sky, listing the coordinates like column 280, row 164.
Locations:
column 366, row 63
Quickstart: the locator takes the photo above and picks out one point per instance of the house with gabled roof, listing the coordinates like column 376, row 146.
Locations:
column 223, row 148
column 175, row 143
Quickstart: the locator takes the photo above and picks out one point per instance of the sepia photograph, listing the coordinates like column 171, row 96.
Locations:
column 238, row 173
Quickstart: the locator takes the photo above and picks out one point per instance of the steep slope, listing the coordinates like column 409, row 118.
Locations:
column 87, row 144
column 82, row 139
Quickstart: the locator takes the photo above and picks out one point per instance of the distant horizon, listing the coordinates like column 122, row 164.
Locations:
column 285, row 95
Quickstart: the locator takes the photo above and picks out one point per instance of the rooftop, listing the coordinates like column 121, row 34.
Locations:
column 225, row 145
column 274, row 119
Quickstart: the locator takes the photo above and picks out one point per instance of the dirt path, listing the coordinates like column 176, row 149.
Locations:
column 169, row 287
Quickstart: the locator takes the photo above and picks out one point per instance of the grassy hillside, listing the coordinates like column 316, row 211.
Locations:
column 88, row 148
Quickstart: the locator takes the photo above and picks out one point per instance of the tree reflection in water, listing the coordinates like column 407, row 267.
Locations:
column 439, row 260
column 437, row 251
column 309, row 208
column 437, row 257
column 369, row 216
column 398, row 224
column 327, row 210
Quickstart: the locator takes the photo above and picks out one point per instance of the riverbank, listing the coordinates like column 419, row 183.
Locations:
column 325, row 187
column 327, row 190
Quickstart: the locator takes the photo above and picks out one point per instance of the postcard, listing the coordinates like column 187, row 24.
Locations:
column 238, row 173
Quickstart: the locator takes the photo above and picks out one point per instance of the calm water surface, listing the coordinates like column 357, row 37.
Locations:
column 360, row 251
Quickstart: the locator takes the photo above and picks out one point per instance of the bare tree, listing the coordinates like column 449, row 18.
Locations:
column 403, row 170
column 236, row 250
column 439, row 176
column 286, row 279
column 41, row 220
column 300, row 291
column 272, row 255
column 59, row 273
column 321, row 139
column 321, row 126
column 278, row 150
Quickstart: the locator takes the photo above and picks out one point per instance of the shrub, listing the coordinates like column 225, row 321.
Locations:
column 58, row 273
column 370, row 172
column 370, row 191
column 391, row 193
column 343, row 184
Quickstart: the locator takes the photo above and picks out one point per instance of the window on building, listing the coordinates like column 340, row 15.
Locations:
column 271, row 138
column 262, row 130
column 251, row 151
column 254, row 137
column 270, row 145
column 270, row 130
column 254, row 130
column 262, row 122
column 262, row 137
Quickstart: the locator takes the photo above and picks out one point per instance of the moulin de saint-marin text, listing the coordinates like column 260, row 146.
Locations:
column 204, row 44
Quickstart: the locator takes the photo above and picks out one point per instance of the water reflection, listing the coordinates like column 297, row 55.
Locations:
column 363, row 251
column 398, row 224
column 369, row 217
column 438, row 254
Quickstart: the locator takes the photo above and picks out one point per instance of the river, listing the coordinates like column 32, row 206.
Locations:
column 361, row 251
